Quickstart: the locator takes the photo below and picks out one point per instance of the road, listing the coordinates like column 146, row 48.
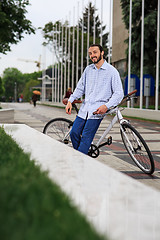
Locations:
column 114, row 155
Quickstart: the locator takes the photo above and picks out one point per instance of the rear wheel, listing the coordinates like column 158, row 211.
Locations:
column 137, row 148
column 59, row 129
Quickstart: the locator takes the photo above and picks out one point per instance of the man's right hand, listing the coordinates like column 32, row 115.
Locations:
column 69, row 108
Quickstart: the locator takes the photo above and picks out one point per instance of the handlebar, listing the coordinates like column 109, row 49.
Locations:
column 131, row 93
column 125, row 98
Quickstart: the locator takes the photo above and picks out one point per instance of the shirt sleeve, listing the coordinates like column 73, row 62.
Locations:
column 80, row 89
column 117, row 90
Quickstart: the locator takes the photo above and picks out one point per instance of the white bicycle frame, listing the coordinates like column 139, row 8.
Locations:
column 118, row 118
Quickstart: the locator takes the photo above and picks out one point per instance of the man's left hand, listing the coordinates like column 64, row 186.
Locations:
column 101, row 110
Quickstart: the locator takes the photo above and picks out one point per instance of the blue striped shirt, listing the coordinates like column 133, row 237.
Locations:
column 100, row 86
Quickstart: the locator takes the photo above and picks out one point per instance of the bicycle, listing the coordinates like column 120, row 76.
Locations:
column 59, row 129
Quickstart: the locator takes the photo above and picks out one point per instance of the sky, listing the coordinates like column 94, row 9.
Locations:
column 40, row 12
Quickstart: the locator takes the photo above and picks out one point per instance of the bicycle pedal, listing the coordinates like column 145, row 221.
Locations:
column 66, row 141
column 109, row 140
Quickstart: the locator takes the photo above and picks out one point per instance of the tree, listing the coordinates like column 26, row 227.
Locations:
column 1, row 88
column 83, row 23
column 27, row 91
column 52, row 29
column 13, row 23
column 12, row 79
column 150, row 33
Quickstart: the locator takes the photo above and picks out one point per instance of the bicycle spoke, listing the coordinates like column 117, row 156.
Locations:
column 137, row 148
column 58, row 129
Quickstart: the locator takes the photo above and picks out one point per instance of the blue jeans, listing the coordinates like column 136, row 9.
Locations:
column 83, row 132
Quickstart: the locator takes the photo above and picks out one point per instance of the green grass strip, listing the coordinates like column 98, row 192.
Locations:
column 32, row 207
column 142, row 119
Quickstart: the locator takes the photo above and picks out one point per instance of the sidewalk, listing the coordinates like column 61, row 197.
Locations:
column 114, row 155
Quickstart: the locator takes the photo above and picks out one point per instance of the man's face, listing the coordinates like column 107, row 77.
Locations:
column 95, row 54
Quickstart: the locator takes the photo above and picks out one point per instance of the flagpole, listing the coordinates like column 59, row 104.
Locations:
column 129, row 54
column 58, row 59
column 53, row 79
column 82, row 37
column 94, row 23
column 88, row 26
column 69, row 39
column 110, row 22
column 73, row 38
column 142, row 52
column 157, row 61
column 101, row 21
column 77, row 60
column 62, row 65
column 55, row 88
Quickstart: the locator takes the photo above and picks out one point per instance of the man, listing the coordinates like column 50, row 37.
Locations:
column 101, row 84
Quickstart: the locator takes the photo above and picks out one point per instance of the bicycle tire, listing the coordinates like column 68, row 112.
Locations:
column 139, row 152
column 57, row 129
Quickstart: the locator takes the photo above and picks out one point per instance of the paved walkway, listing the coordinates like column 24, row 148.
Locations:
column 114, row 155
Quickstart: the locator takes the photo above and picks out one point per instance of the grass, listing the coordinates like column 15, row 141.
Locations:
column 151, row 107
column 32, row 207
column 142, row 119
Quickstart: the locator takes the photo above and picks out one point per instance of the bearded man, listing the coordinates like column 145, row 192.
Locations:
column 102, row 87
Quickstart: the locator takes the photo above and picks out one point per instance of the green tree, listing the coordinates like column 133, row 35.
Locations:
column 13, row 23
column 12, row 78
column 31, row 76
column 1, row 88
column 83, row 23
column 150, row 33
column 28, row 89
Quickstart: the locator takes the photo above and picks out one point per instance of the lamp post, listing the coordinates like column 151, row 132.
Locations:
column 15, row 91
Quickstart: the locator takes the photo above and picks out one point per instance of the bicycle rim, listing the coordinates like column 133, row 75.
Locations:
column 137, row 148
column 59, row 129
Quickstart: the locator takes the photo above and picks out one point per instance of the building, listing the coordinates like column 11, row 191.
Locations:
column 119, row 34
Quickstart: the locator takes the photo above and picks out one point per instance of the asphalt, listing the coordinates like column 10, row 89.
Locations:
column 114, row 155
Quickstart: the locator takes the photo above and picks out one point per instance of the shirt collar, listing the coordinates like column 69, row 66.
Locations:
column 104, row 65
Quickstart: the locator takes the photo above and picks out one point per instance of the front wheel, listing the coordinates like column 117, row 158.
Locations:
column 59, row 129
column 137, row 148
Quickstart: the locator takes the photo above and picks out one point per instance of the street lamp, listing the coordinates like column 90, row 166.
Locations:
column 15, row 91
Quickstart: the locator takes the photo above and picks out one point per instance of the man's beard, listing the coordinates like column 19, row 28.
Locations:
column 99, row 59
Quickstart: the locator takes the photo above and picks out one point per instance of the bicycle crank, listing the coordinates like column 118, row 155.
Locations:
column 109, row 142
column 93, row 151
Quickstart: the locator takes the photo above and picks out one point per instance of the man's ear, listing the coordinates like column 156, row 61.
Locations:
column 102, row 53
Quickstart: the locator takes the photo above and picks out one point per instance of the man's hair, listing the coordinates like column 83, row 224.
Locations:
column 99, row 46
